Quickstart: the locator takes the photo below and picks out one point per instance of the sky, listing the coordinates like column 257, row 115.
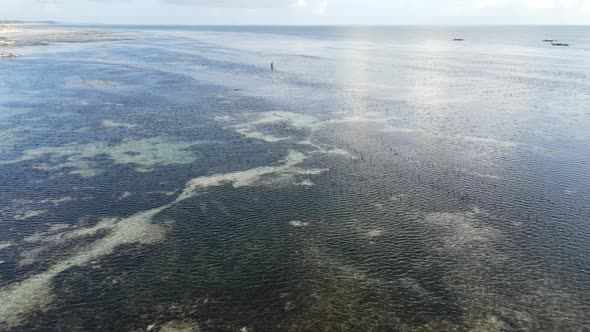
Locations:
column 300, row 12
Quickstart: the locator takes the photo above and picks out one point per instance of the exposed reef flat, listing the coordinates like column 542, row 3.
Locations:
column 15, row 31
column 18, row 34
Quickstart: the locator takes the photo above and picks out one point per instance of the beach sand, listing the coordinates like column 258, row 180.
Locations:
column 14, row 35
column 11, row 31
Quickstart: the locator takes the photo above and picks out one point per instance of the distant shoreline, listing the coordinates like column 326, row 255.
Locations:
column 3, row 22
column 24, row 33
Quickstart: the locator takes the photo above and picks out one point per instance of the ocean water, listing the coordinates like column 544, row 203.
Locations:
column 381, row 179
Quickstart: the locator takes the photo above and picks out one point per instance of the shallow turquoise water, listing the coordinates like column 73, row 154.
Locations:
column 384, row 179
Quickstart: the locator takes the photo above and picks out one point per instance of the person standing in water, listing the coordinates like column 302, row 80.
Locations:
column 272, row 66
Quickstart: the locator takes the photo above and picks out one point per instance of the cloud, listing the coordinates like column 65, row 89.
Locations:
column 251, row 4
column 554, row 4
column 237, row 4
column 313, row 6
column 269, row 12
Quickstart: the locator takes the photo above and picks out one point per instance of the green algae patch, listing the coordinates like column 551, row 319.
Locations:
column 6, row 113
column 34, row 293
column 152, row 152
column 284, row 173
column 254, row 128
column 22, row 298
column 143, row 153
column 178, row 326
column 5, row 244
column 9, row 137
column 113, row 124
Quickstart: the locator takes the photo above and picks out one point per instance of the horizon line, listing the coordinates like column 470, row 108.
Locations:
column 315, row 25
